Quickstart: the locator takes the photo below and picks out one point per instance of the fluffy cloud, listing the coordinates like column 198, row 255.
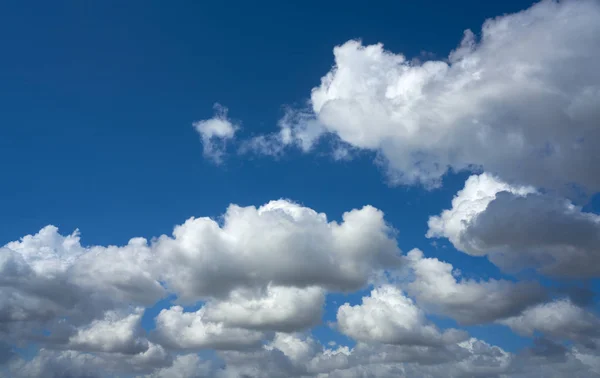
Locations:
column 560, row 320
column 215, row 132
column 259, row 270
column 274, row 308
column 389, row 317
column 47, row 277
column 518, row 227
column 280, row 243
column 189, row 330
column 185, row 366
column 438, row 289
column 114, row 333
column 272, row 262
column 521, row 101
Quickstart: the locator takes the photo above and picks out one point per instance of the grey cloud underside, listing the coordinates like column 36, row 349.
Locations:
column 439, row 289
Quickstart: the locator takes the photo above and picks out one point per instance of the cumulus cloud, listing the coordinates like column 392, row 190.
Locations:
column 215, row 132
column 389, row 317
column 276, row 308
column 277, row 258
column 439, row 288
column 518, row 227
column 258, row 269
column 560, row 320
column 47, row 277
column 280, row 243
column 75, row 364
column 520, row 101
column 114, row 333
column 185, row 366
column 189, row 330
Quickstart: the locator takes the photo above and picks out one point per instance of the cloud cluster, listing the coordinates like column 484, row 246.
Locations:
column 260, row 275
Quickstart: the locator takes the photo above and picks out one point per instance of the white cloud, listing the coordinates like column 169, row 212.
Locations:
column 276, row 308
column 561, row 320
column 215, row 132
column 389, row 317
column 280, row 243
column 178, row 329
column 520, row 228
column 258, row 269
column 114, row 333
column 468, row 203
column 438, row 289
column 185, row 366
column 48, row 277
column 521, row 102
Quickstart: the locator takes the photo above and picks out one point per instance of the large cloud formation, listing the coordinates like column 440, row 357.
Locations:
column 521, row 101
column 84, row 306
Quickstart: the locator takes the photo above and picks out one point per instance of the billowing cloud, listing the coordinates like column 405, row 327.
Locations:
column 215, row 132
column 560, row 320
column 47, row 277
column 114, row 333
column 389, row 317
column 259, row 270
column 275, row 308
column 439, row 288
column 521, row 101
column 189, row 330
column 280, row 243
column 518, row 228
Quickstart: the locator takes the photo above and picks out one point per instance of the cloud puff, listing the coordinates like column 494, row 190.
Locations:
column 114, row 333
column 517, row 227
column 389, row 317
column 215, row 132
column 522, row 101
column 189, row 330
column 75, row 364
column 280, row 243
column 276, row 308
column 437, row 287
column 560, row 320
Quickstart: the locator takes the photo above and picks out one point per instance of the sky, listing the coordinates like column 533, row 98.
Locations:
column 274, row 189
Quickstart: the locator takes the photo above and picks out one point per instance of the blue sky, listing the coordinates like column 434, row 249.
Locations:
column 98, row 101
